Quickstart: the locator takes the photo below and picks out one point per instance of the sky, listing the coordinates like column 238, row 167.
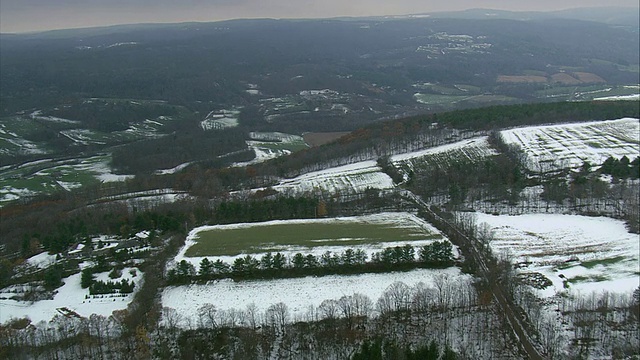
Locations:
column 38, row 15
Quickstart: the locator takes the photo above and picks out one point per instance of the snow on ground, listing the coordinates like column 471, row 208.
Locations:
column 262, row 153
column 271, row 145
column 399, row 219
column 297, row 293
column 220, row 119
column 352, row 178
column 100, row 167
column 71, row 296
column 551, row 147
column 8, row 193
column 16, row 144
column 357, row 177
column 619, row 97
column 41, row 260
column 81, row 136
column 472, row 148
column 36, row 115
column 607, row 255
column 107, row 242
column 172, row 170
column 69, row 185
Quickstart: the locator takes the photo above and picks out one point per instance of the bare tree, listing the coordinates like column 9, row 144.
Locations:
column 207, row 316
column 172, row 319
column 329, row 309
column 278, row 315
column 252, row 315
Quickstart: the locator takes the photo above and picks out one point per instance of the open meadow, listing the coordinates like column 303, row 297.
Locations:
column 577, row 253
column 369, row 233
column 552, row 147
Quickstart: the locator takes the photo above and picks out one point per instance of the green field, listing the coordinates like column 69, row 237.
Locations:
column 275, row 237
column 50, row 176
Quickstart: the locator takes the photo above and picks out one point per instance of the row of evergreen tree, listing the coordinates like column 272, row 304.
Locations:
column 621, row 168
column 438, row 254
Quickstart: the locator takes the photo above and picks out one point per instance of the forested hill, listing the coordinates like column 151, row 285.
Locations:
column 383, row 138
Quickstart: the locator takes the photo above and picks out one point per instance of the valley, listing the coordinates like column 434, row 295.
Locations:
column 392, row 181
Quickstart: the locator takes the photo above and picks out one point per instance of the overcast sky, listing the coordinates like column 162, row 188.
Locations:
column 36, row 15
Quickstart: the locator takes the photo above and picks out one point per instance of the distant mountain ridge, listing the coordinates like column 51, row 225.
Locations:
column 607, row 15
column 622, row 16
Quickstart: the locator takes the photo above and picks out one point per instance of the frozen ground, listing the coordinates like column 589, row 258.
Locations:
column 620, row 97
column 220, row 119
column 49, row 175
column 357, row 177
column 70, row 296
column 400, row 219
column 552, row 147
column 41, row 260
column 472, row 148
column 299, row 294
column 352, row 178
column 579, row 253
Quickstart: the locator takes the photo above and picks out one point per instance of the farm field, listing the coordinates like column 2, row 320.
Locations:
column 48, row 176
column 442, row 156
column 270, row 145
column 222, row 119
column 352, row 178
column 549, row 148
column 589, row 92
column 313, row 236
column 302, row 296
column 452, row 100
column 360, row 176
column 71, row 296
column 316, row 139
column 577, row 253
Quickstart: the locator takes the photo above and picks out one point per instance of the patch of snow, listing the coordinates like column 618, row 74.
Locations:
column 69, row 185
column 397, row 219
column 352, row 178
column 71, row 296
column 122, row 44
column 597, row 252
column 473, row 148
column 42, row 260
column 172, row 170
column 299, row 294
column 634, row 97
column 81, row 136
column 143, row 234
column 552, row 147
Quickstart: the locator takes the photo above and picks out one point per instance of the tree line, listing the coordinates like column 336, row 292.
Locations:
column 438, row 254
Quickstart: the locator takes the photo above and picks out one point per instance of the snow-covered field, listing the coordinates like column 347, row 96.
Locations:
column 584, row 253
column 552, row 147
column 471, row 149
column 299, row 294
column 399, row 219
column 357, row 177
column 352, row 178
column 50, row 175
column 271, row 145
column 72, row 297
column 221, row 119
column 635, row 97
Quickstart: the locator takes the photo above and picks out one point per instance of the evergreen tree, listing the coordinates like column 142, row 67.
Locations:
column 87, row 278
column 206, row 267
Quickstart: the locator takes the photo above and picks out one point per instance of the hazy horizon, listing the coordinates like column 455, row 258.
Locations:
column 18, row 16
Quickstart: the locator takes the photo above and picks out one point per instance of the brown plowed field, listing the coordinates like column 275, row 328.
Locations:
column 317, row 139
